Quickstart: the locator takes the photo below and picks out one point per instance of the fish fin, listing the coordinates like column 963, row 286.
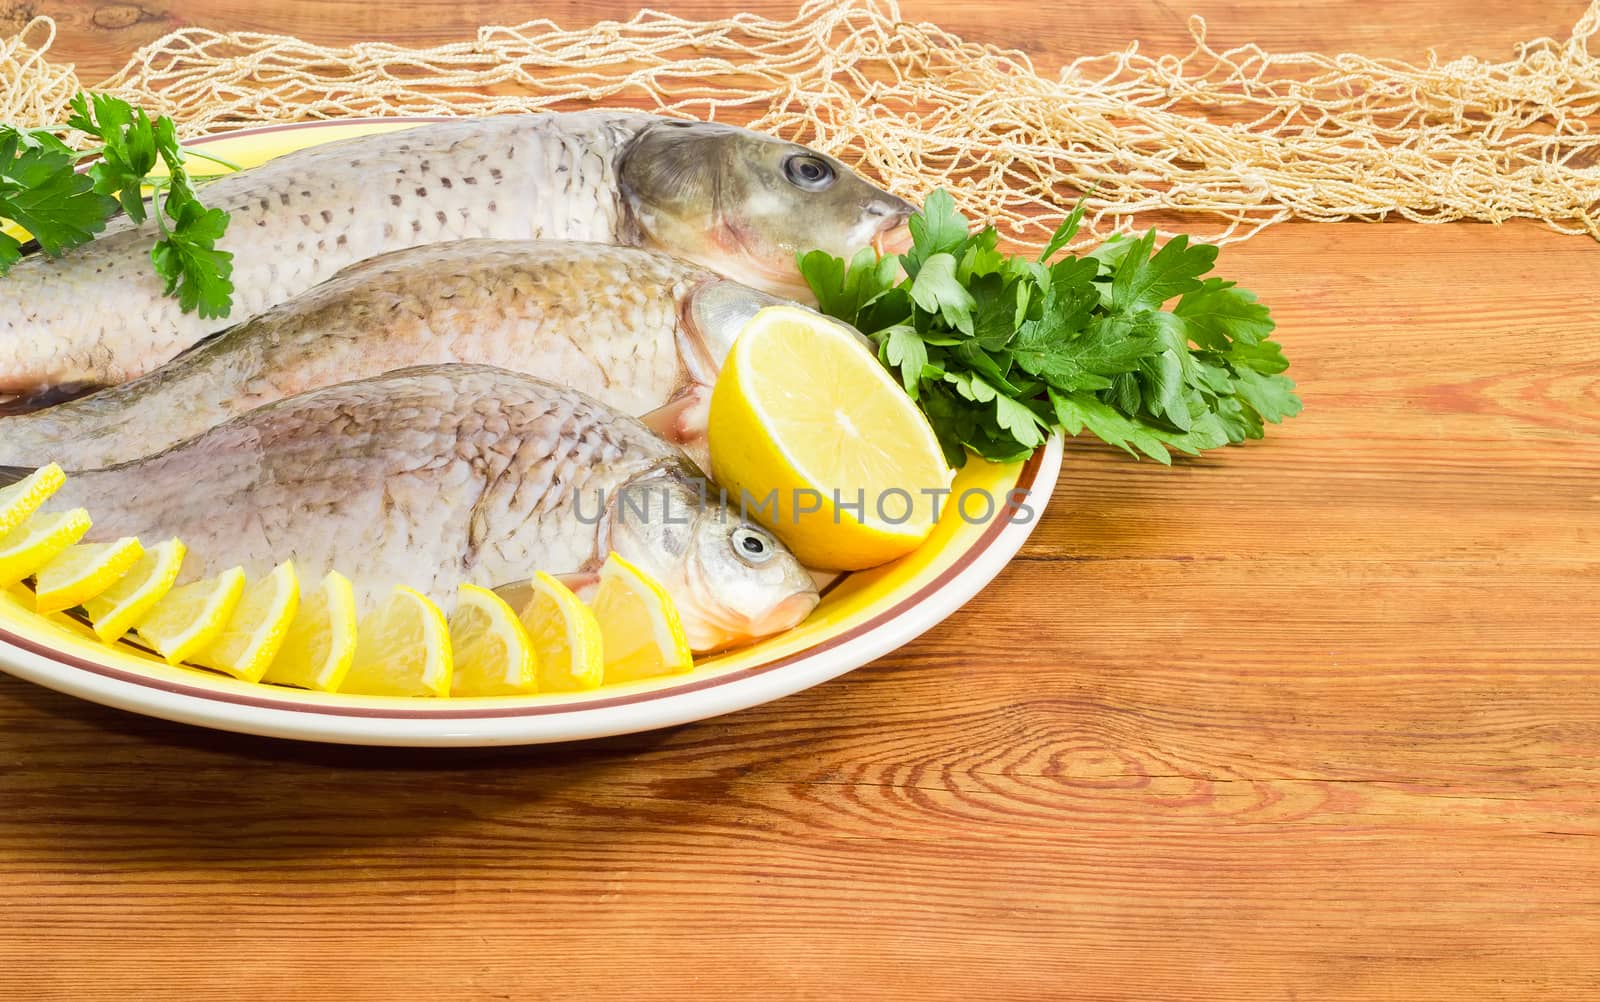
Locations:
column 582, row 583
column 681, row 417
column 12, row 474
column 682, row 421
column 518, row 595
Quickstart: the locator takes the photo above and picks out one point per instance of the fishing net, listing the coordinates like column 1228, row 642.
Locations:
column 1215, row 143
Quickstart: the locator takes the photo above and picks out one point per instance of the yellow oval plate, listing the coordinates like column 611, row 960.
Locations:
column 862, row 617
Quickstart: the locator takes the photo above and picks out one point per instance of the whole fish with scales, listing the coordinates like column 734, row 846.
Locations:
column 639, row 330
column 443, row 475
column 734, row 201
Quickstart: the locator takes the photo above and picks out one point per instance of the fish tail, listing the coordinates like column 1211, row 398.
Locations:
column 12, row 474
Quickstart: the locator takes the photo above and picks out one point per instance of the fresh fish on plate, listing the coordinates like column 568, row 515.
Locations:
column 440, row 475
column 737, row 202
column 638, row 330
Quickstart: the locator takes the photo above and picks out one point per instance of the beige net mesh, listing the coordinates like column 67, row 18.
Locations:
column 1231, row 141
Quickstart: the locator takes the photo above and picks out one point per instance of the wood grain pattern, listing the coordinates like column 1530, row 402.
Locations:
column 98, row 36
column 1318, row 718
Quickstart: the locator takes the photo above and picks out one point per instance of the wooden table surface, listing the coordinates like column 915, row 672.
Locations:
column 1317, row 718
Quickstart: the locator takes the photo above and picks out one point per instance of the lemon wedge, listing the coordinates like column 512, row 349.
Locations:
column 321, row 642
column 19, row 501
column 114, row 611
column 81, row 572
column 402, row 649
column 187, row 620
column 38, row 541
column 802, row 412
column 247, row 645
column 490, row 647
column 641, row 635
column 565, row 637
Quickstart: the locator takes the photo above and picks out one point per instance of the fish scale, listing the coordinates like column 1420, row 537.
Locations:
column 440, row 476
column 427, row 477
column 608, row 321
column 730, row 200
column 299, row 219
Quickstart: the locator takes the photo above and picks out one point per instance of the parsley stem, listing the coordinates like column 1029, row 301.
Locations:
column 157, row 206
column 95, row 151
column 188, row 152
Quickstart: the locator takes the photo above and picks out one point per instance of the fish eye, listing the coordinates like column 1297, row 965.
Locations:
column 809, row 171
column 752, row 546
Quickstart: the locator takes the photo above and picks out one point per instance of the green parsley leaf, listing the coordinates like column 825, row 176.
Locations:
column 41, row 192
column 10, row 252
column 888, row 310
column 992, row 366
column 1020, row 422
column 997, row 306
column 198, row 273
column 1219, row 311
column 938, row 229
column 902, row 349
column 1111, row 346
column 1110, row 253
column 1264, row 356
column 1064, row 233
column 842, row 290
column 1077, row 411
column 997, row 350
column 1164, row 388
column 936, row 290
column 130, row 149
column 955, row 422
column 824, row 273
column 979, row 258
column 1145, row 281
column 1272, row 396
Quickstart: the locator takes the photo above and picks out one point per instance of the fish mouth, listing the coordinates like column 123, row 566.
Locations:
column 786, row 615
column 708, row 634
column 893, row 235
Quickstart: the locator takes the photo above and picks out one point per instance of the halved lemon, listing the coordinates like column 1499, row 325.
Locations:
column 490, row 647
column 187, row 620
column 19, row 501
column 823, row 443
column 247, row 645
column 114, row 611
column 81, row 572
column 38, row 541
column 321, row 642
column 565, row 637
column 402, row 649
column 641, row 635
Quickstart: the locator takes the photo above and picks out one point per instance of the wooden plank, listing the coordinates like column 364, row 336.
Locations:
column 98, row 36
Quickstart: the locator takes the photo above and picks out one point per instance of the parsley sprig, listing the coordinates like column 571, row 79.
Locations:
column 1129, row 342
column 42, row 191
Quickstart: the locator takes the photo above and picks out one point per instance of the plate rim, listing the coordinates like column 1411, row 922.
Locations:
column 464, row 727
column 444, row 726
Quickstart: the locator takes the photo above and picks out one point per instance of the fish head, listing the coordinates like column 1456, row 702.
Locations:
column 731, row 579
column 744, row 204
column 716, row 312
